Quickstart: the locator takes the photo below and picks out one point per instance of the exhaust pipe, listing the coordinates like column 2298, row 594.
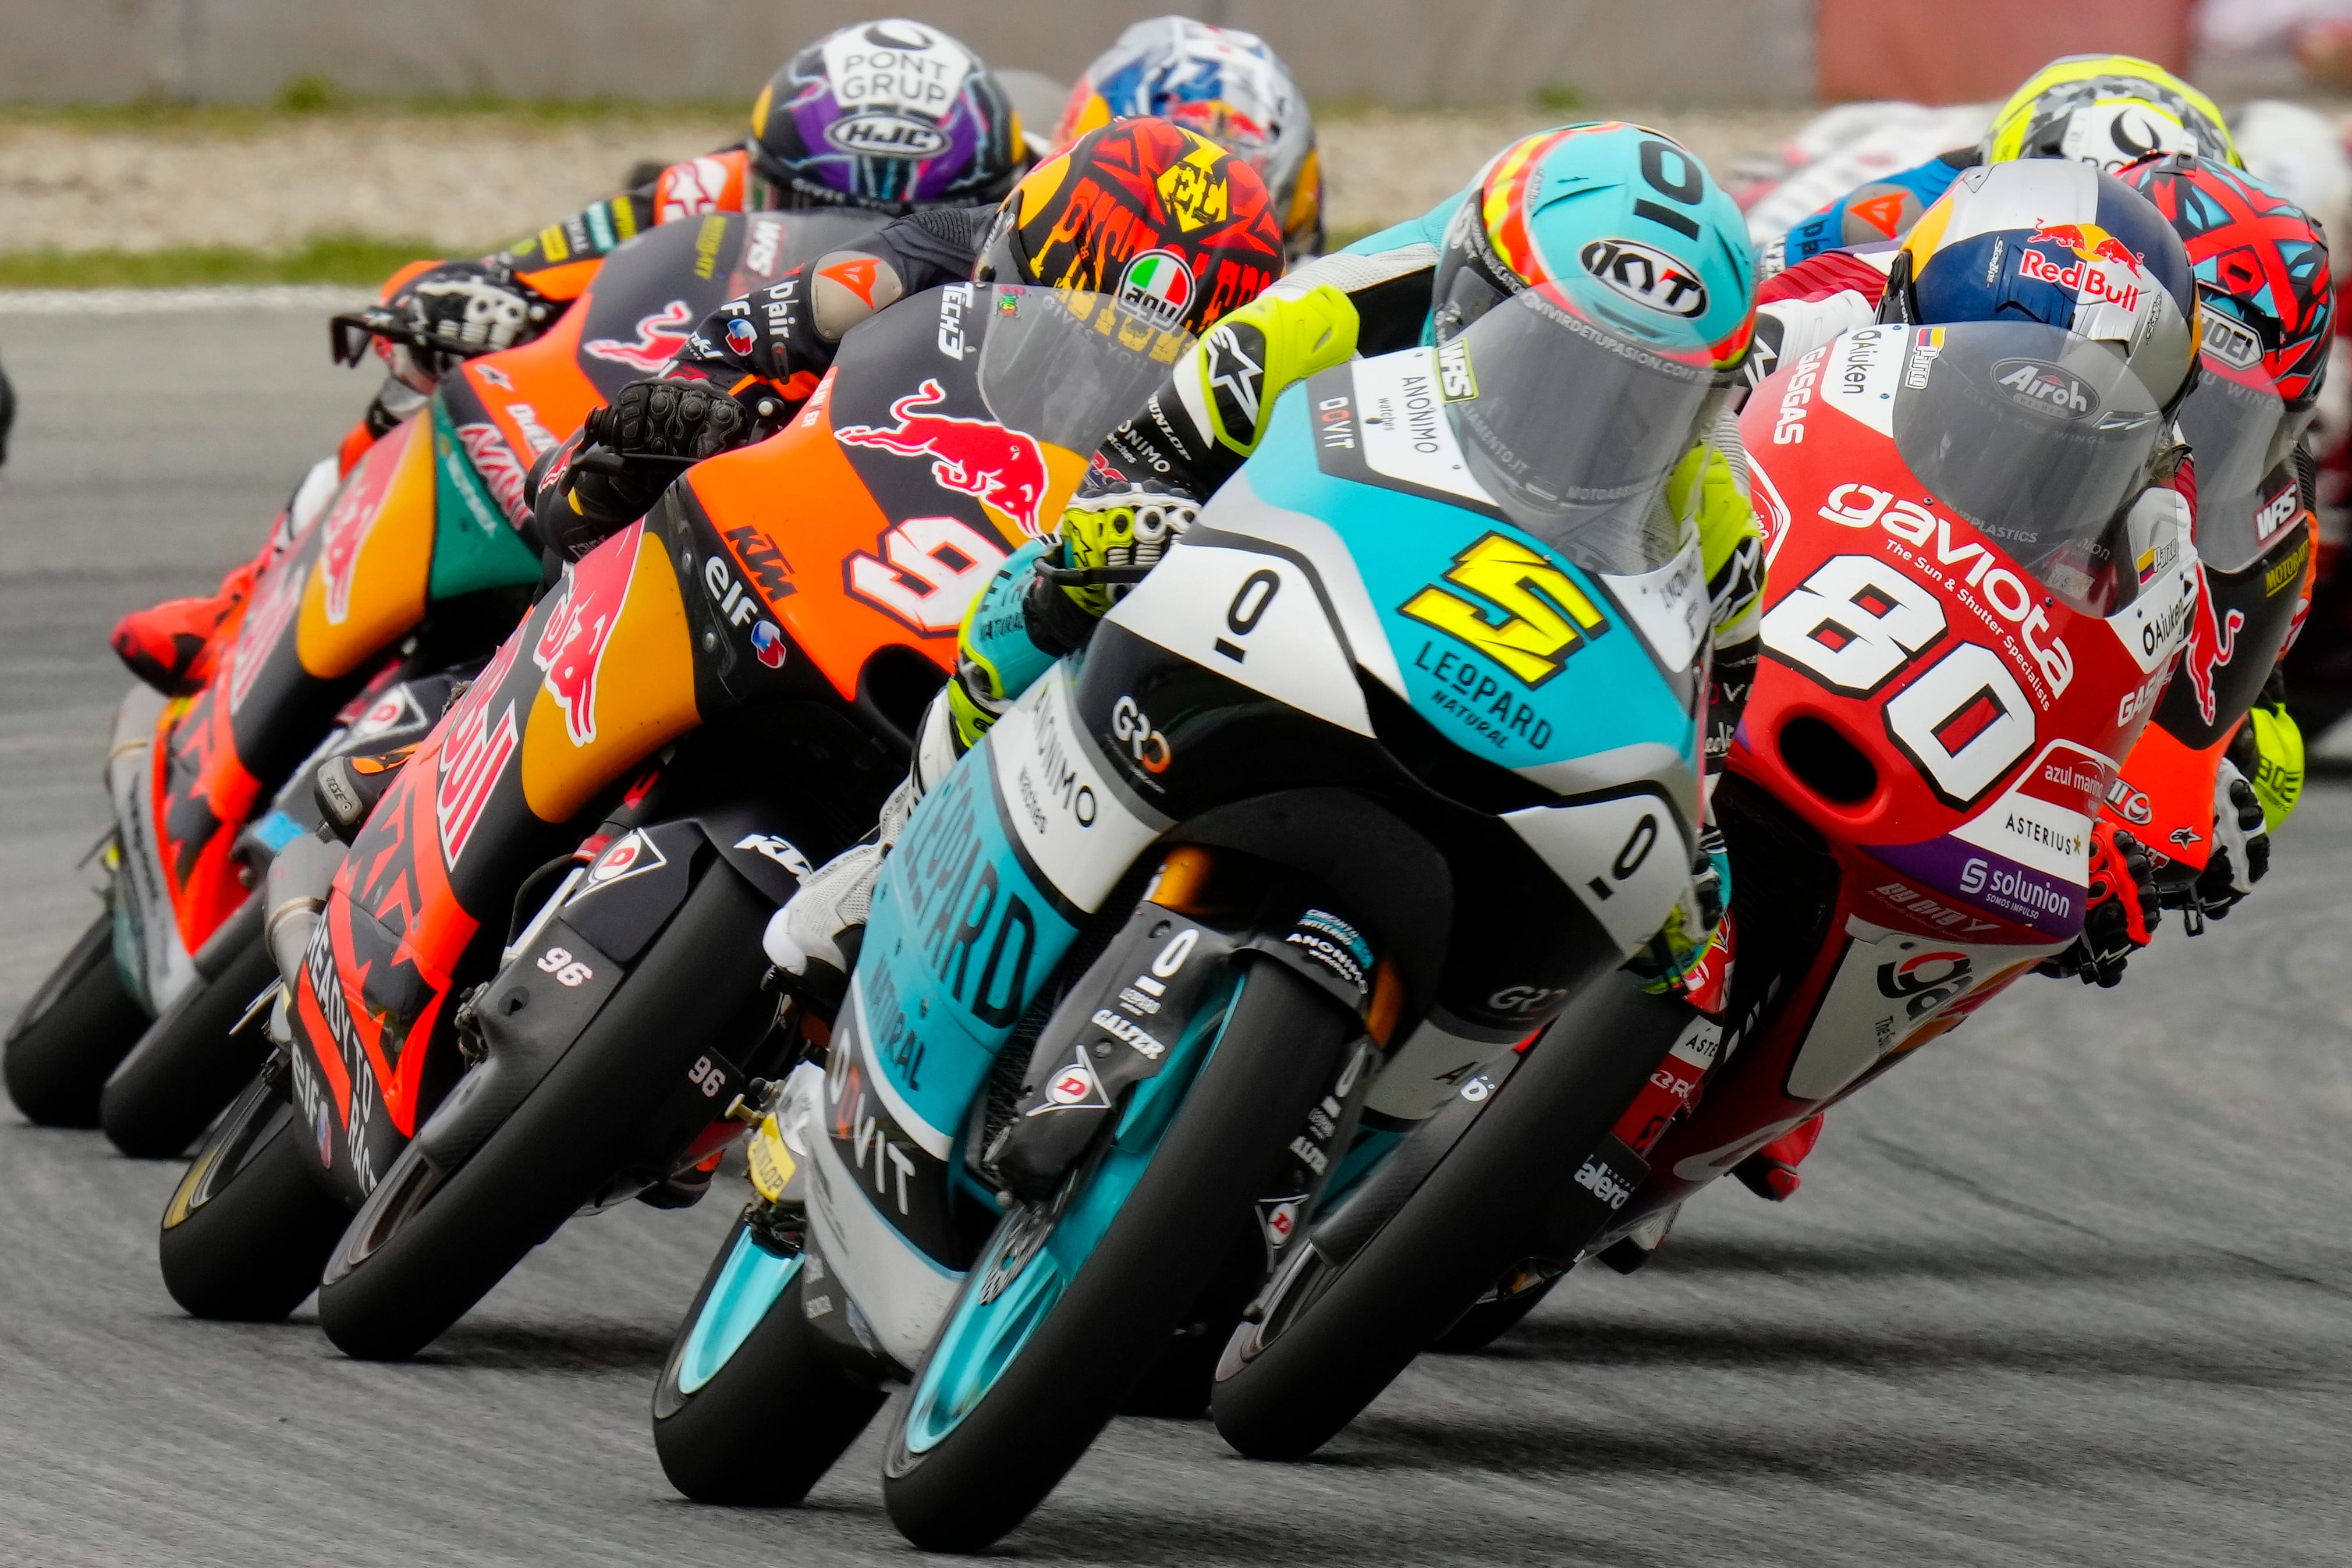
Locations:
column 300, row 880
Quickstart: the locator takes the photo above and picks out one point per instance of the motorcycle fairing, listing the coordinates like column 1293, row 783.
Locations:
column 478, row 503
column 1892, row 629
column 376, row 553
column 1478, row 617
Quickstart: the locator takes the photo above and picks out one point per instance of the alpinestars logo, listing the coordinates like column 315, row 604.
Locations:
column 1236, row 376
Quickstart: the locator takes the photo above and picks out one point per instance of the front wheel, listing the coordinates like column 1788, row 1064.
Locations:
column 750, row 1409
column 248, row 1226
column 1425, row 1240
column 429, row 1243
column 187, row 1065
column 1073, row 1299
column 71, row 1035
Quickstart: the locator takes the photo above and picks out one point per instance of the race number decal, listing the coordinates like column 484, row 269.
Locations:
column 1966, row 722
column 932, row 568
column 1853, row 623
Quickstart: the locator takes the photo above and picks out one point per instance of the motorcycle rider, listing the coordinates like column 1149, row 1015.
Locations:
column 2101, row 110
column 835, row 128
column 1226, row 85
column 1419, row 282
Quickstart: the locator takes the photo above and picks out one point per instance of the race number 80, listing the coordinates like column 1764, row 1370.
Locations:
column 1857, row 621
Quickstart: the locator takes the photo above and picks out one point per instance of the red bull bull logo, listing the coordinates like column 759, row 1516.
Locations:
column 659, row 337
column 474, row 752
column 1004, row 470
column 2211, row 641
column 572, row 648
column 350, row 520
column 2092, row 273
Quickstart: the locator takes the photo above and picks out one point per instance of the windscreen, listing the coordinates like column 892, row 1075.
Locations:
column 1066, row 365
column 2039, row 438
column 1573, row 431
column 2242, row 440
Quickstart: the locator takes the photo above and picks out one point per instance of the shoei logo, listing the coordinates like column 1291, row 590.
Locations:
column 1646, row 276
column 887, row 136
column 2229, row 342
column 2053, row 389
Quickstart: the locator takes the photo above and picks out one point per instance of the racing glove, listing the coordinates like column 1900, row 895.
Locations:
column 2268, row 749
column 2241, row 846
column 2122, row 911
column 463, row 308
column 631, row 451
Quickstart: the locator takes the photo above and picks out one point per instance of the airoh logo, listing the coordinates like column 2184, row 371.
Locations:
column 1645, row 275
column 2052, row 388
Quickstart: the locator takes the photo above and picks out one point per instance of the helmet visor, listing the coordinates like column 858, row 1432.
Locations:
column 2239, row 433
column 1575, row 431
column 1066, row 365
column 2038, row 436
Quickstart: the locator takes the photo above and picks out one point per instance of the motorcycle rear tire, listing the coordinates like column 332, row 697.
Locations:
column 1452, row 1237
column 248, row 1226
column 772, row 1420
column 428, row 1244
column 187, row 1066
column 71, row 1035
column 1068, row 1379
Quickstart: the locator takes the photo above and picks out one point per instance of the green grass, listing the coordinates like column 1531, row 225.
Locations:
column 326, row 260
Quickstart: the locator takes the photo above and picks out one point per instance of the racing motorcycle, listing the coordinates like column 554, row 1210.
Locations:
column 1955, row 653
column 1345, row 799
column 429, row 527
column 533, row 983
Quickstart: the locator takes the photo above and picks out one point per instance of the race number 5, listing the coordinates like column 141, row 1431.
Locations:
column 1853, row 623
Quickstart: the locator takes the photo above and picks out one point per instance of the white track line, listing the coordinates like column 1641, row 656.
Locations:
column 177, row 301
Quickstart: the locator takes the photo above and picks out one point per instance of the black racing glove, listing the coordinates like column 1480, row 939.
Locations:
column 455, row 311
column 631, row 448
column 2122, row 913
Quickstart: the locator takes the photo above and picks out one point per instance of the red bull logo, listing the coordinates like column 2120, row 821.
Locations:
column 474, row 752
column 350, row 520
column 1004, row 470
column 659, row 337
column 2211, row 641
column 2092, row 276
column 572, row 648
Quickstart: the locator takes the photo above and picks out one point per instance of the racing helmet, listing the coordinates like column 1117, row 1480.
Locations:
column 1594, row 294
column 888, row 116
column 1163, row 218
column 1224, row 84
column 2059, row 243
column 2299, row 152
column 2105, row 111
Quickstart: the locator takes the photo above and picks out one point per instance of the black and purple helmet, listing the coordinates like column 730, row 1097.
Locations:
column 889, row 116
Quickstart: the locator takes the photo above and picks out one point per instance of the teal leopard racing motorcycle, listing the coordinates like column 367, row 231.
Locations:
column 1386, row 759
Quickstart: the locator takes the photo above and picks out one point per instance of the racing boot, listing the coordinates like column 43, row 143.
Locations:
column 173, row 646
column 1770, row 1173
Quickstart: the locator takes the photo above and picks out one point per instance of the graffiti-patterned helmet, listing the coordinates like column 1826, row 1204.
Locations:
column 889, row 116
column 1164, row 218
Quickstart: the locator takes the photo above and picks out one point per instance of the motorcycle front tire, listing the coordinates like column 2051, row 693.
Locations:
column 1068, row 1378
column 1450, row 1239
column 187, row 1066
column 77, row 1027
column 248, row 1226
column 428, row 1244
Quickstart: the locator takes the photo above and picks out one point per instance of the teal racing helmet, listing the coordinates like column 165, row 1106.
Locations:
column 1620, row 224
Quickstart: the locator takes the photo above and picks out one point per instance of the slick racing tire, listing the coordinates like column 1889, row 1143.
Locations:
column 248, row 1226
column 187, row 1066
column 1488, row 1321
column 1067, row 1372
column 753, row 1414
column 1334, row 1335
column 428, row 1244
column 71, row 1035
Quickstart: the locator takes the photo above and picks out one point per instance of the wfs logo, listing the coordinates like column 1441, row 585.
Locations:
column 1646, row 276
column 2052, row 388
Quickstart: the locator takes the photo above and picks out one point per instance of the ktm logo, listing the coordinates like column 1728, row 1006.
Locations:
column 1514, row 605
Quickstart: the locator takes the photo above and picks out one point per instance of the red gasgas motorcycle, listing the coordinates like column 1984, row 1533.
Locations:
column 1975, row 600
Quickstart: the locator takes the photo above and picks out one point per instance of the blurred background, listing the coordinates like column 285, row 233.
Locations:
column 277, row 141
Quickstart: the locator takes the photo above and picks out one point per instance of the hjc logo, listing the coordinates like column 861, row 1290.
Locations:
column 1147, row 745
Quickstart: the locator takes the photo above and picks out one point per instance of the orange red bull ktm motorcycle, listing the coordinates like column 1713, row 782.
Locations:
column 532, row 985
column 416, row 562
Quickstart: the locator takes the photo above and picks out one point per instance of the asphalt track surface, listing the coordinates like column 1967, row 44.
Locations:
column 2076, row 1286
